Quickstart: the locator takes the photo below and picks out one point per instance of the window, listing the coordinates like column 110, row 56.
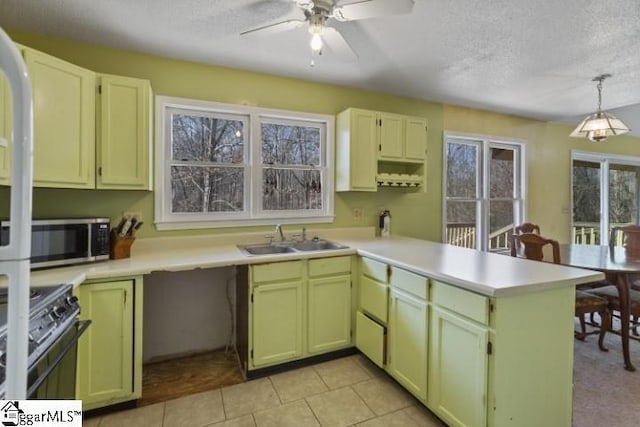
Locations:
column 483, row 191
column 604, row 195
column 222, row 165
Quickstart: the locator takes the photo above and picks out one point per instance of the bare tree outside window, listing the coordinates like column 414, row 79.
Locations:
column 207, row 171
column 291, row 177
column 232, row 165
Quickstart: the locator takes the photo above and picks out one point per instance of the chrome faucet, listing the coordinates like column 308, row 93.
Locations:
column 279, row 230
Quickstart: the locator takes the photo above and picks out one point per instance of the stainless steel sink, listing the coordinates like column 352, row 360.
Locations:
column 265, row 249
column 317, row 245
column 305, row 246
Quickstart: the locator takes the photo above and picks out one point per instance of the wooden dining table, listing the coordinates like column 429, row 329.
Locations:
column 617, row 265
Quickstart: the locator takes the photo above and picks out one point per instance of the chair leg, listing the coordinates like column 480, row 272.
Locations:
column 583, row 329
column 605, row 324
column 635, row 326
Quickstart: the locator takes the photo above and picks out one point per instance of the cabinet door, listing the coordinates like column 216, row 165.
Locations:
column 329, row 312
column 64, row 122
column 363, row 150
column 277, row 322
column 5, row 131
column 415, row 133
column 458, row 369
column 391, row 136
column 122, row 155
column 105, row 351
column 408, row 330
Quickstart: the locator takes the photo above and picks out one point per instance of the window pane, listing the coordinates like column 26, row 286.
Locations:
column 501, row 218
column 501, row 173
column 461, row 224
column 285, row 189
column 207, row 139
column 623, row 195
column 207, row 189
column 586, row 202
column 290, row 145
column 462, row 170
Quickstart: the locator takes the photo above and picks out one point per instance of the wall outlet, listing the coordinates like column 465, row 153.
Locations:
column 357, row 214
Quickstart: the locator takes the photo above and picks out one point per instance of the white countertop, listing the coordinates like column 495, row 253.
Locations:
column 484, row 273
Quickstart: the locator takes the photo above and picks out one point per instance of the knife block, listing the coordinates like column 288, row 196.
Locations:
column 120, row 246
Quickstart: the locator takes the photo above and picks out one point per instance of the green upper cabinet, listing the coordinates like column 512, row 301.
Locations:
column 356, row 148
column 64, row 122
column 123, row 133
column 377, row 149
column 391, row 142
column 415, row 136
column 5, row 131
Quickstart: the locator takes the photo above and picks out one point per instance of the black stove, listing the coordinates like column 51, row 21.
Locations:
column 52, row 311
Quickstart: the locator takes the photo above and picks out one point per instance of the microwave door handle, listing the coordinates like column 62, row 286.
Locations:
column 82, row 327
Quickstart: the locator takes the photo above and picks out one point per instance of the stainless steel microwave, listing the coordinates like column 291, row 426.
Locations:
column 57, row 242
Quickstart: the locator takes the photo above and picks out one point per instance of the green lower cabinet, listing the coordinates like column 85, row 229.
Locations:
column 329, row 313
column 109, row 352
column 458, row 369
column 407, row 353
column 277, row 324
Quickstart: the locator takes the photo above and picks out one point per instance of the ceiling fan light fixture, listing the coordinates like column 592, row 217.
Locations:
column 316, row 42
column 316, row 28
column 599, row 126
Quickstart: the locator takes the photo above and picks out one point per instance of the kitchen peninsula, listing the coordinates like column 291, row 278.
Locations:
column 495, row 333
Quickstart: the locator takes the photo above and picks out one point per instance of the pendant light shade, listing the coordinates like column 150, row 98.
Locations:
column 599, row 126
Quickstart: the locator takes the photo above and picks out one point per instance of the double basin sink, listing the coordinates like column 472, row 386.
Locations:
column 284, row 248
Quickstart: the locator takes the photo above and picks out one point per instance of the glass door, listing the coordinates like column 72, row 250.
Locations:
column 605, row 195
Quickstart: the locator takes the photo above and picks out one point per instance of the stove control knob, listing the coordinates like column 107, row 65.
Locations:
column 72, row 300
column 58, row 311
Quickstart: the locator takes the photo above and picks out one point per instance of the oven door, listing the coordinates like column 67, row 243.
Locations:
column 53, row 376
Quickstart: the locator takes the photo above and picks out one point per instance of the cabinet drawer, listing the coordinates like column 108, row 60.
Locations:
column 328, row 266
column 370, row 338
column 374, row 269
column 279, row 271
column 410, row 282
column 373, row 298
column 473, row 306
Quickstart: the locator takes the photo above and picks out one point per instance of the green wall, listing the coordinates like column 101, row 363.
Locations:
column 414, row 214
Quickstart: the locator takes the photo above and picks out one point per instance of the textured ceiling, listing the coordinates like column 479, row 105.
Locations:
column 530, row 58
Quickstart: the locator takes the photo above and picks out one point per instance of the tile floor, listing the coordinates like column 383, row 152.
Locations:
column 344, row 392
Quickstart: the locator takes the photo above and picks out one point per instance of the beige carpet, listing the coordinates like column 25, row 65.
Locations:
column 604, row 393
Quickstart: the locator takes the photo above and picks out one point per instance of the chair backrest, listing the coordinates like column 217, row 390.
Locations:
column 630, row 237
column 527, row 227
column 532, row 246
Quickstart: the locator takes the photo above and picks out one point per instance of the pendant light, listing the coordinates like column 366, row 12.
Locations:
column 598, row 126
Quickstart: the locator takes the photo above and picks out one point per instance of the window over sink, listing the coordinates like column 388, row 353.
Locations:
column 226, row 165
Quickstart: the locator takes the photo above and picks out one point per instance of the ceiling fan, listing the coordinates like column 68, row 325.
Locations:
column 318, row 12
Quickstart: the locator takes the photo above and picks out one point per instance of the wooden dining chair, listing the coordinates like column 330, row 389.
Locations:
column 630, row 238
column 526, row 227
column 531, row 246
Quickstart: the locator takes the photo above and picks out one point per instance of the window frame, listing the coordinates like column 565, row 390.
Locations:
column 484, row 144
column 253, row 214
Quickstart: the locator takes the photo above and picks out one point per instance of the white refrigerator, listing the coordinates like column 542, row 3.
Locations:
column 14, row 257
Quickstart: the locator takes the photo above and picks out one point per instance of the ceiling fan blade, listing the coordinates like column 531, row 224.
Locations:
column 275, row 28
column 338, row 44
column 366, row 9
